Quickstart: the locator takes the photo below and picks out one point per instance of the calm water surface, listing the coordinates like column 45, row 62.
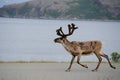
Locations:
column 30, row 39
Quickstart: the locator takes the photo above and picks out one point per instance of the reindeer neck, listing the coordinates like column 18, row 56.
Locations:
column 66, row 42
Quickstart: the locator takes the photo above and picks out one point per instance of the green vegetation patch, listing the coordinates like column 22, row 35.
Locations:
column 53, row 13
column 88, row 9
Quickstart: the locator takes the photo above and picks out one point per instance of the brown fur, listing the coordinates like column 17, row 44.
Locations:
column 81, row 48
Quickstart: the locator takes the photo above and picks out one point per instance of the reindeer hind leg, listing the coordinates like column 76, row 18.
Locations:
column 100, row 59
column 106, row 56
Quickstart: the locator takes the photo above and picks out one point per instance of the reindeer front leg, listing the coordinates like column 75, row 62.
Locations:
column 68, row 70
column 78, row 61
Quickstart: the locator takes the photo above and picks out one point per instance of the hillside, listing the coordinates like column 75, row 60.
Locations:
column 64, row 9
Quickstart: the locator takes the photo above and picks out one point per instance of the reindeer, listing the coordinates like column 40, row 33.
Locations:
column 80, row 48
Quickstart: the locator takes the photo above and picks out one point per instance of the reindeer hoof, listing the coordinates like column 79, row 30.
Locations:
column 113, row 67
column 94, row 70
column 68, row 70
column 85, row 66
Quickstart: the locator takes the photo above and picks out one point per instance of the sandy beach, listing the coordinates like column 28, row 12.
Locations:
column 56, row 71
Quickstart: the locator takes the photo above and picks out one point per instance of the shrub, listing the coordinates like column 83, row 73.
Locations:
column 115, row 57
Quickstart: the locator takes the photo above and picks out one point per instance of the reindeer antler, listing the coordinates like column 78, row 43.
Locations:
column 60, row 32
column 71, row 29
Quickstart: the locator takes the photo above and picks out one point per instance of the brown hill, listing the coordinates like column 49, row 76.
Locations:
column 64, row 9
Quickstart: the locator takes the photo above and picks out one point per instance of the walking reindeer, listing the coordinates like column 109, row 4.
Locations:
column 78, row 49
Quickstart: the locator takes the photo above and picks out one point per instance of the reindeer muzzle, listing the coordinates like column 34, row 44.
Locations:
column 55, row 40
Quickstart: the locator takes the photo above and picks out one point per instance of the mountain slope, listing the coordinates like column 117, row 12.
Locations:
column 63, row 9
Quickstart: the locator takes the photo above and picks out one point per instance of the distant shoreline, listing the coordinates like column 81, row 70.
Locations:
column 99, row 20
column 51, row 62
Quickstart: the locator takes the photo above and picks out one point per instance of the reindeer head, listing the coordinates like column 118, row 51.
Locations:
column 71, row 28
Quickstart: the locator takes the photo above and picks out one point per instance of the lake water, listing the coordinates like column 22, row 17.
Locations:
column 32, row 39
